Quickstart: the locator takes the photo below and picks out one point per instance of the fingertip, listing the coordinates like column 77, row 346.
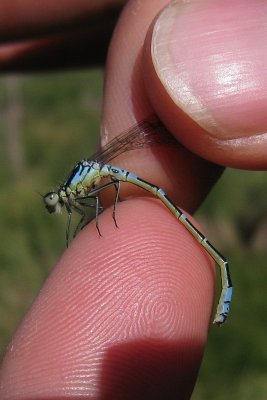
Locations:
column 115, row 310
column 205, row 82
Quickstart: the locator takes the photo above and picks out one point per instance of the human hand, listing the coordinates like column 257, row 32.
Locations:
column 127, row 315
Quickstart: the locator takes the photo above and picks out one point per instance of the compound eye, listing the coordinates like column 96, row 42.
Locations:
column 51, row 199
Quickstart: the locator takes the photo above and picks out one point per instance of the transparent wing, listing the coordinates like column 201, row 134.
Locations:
column 146, row 133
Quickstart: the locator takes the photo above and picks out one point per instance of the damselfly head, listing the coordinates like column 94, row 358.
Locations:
column 52, row 202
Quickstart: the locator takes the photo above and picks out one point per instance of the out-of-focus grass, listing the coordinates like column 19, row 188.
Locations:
column 57, row 123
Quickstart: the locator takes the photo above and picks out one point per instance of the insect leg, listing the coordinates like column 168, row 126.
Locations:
column 82, row 202
column 117, row 185
column 98, row 189
column 68, row 208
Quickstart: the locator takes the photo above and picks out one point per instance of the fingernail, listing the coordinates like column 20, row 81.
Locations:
column 211, row 57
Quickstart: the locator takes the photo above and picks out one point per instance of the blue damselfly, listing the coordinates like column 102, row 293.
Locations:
column 84, row 183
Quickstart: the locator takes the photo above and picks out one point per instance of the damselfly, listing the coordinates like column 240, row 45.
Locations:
column 84, row 183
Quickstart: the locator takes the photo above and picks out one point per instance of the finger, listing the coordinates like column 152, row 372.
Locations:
column 184, row 176
column 123, row 316
column 64, row 42
column 206, row 61
column 31, row 19
column 72, row 49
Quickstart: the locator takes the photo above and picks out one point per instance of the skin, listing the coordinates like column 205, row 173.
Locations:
column 124, row 316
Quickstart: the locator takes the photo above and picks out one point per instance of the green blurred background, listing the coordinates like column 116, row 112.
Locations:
column 46, row 122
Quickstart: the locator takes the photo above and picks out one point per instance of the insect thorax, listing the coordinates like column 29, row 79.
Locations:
column 83, row 177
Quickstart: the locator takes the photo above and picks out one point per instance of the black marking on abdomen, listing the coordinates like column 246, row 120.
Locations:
column 116, row 171
column 147, row 183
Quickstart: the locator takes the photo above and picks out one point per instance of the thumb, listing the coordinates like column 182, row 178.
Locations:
column 206, row 62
